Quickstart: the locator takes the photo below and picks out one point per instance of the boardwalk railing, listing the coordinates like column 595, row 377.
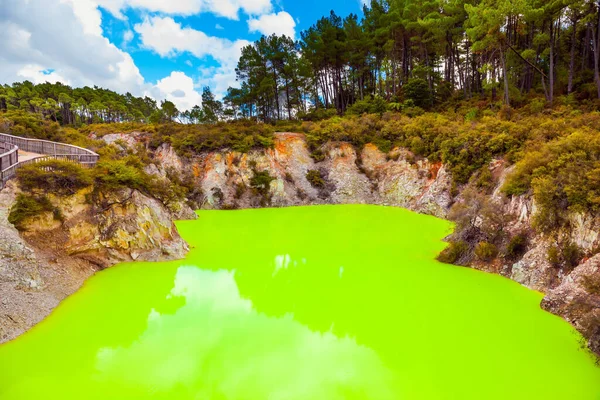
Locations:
column 9, row 156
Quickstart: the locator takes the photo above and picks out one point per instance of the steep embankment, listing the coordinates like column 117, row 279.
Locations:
column 343, row 176
column 52, row 257
column 131, row 226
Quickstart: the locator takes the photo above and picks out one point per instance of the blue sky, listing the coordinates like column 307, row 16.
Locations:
column 167, row 49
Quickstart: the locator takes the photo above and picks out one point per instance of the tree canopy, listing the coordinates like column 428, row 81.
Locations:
column 399, row 54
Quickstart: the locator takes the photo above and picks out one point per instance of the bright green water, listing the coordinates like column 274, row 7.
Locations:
column 341, row 302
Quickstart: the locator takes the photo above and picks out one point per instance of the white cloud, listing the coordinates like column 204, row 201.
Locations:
column 52, row 37
column 128, row 36
column 168, row 38
column 219, row 27
column 62, row 41
column 280, row 23
column 87, row 12
column 37, row 74
column 223, row 8
column 178, row 88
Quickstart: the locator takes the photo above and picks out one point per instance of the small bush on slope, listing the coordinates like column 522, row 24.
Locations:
column 27, row 207
column 54, row 176
column 315, row 178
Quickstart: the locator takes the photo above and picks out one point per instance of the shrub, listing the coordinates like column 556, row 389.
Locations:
column 553, row 256
column 318, row 155
column 261, row 182
column 591, row 283
column 417, row 90
column 369, row 105
column 505, row 113
column 261, row 185
column 486, row 251
column 315, row 178
column 120, row 174
column 571, row 255
column 454, row 252
column 562, row 174
column 56, row 176
column 218, row 194
column 240, row 189
column 536, row 106
column 27, row 207
column 568, row 256
column 516, row 246
column 485, row 180
column 472, row 114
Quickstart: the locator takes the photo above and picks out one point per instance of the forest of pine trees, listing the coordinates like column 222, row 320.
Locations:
column 400, row 54
column 411, row 53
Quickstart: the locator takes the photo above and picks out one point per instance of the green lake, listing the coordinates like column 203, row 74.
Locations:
column 332, row 302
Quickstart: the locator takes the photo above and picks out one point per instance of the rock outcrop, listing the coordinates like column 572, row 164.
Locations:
column 369, row 177
column 121, row 226
column 577, row 299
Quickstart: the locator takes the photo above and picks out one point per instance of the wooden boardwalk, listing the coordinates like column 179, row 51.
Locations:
column 16, row 151
column 27, row 156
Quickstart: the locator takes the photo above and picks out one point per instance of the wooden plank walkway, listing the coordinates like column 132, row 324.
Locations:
column 26, row 155
column 35, row 150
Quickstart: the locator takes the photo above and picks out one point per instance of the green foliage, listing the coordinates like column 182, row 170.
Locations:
column 472, row 114
column 484, row 179
column 571, row 255
column 128, row 173
column 369, row 105
column 241, row 136
column 261, row 181
column 591, row 283
column 536, row 106
column 553, row 256
column 454, row 252
column 61, row 104
column 119, row 174
column 567, row 256
column 315, row 178
column 486, row 251
column 54, row 176
column 261, row 185
column 318, row 155
column 417, row 90
column 563, row 175
column 516, row 246
column 27, row 206
column 25, row 124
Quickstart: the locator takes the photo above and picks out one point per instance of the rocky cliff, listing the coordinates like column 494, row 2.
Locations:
column 348, row 176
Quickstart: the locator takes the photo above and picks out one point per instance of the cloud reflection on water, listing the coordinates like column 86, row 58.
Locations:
column 224, row 348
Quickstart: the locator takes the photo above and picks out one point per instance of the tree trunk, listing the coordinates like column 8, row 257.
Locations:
column 572, row 61
column 551, row 78
column 506, row 85
column 596, row 40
